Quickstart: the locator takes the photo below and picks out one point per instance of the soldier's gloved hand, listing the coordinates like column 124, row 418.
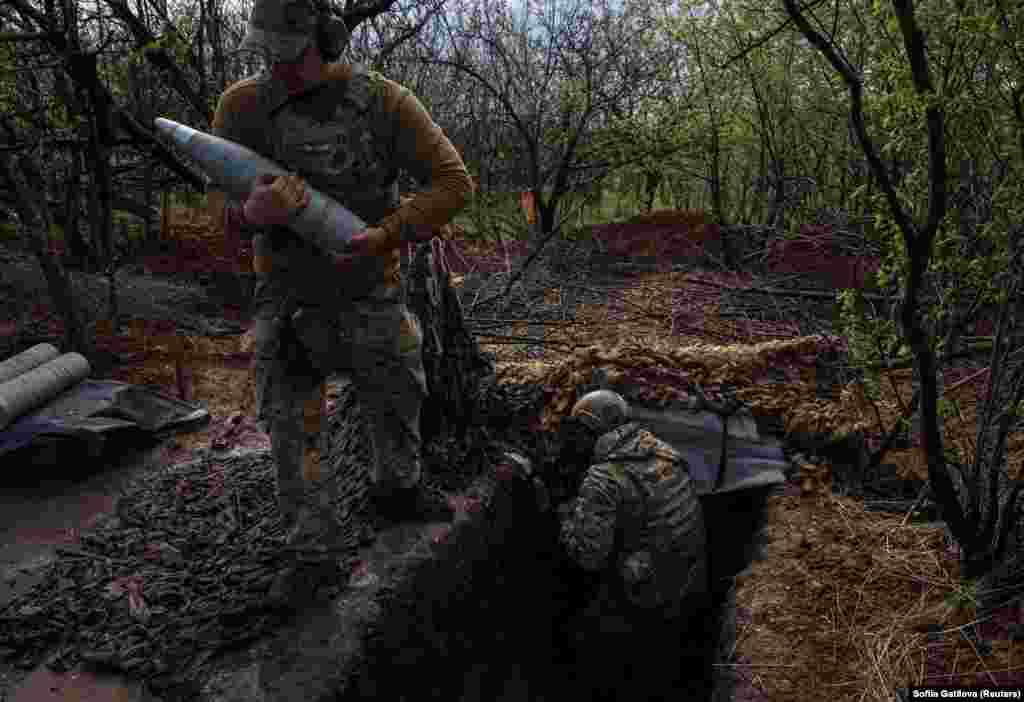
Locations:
column 374, row 241
column 369, row 242
column 274, row 200
column 517, row 466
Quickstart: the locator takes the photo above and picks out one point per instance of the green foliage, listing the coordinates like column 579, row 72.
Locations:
column 10, row 102
column 866, row 337
column 963, row 595
column 946, row 408
column 960, row 41
column 174, row 40
column 490, row 215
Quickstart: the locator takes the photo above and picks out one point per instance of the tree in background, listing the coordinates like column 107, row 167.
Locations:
column 939, row 89
column 551, row 76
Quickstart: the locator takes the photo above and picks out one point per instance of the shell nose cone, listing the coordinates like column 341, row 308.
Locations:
column 179, row 133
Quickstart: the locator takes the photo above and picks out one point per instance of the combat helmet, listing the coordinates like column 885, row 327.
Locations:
column 280, row 30
column 601, row 411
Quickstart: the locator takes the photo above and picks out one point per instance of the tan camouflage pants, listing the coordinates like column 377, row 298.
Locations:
column 376, row 341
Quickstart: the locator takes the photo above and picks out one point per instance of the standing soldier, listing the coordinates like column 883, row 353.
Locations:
column 349, row 133
column 637, row 524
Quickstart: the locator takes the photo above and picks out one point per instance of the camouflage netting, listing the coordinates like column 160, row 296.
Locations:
column 777, row 379
column 179, row 572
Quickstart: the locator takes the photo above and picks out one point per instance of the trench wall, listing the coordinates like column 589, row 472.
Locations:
column 477, row 610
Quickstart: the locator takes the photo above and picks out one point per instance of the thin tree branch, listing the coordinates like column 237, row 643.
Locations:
column 761, row 41
column 855, row 89
column 913, row 39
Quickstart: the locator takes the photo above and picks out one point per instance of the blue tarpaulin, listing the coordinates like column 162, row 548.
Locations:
column 752, row 461
column 94, row 408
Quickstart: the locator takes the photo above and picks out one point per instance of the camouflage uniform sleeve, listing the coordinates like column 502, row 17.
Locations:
column 422, row 150
column 588, row 534
column 228, row 123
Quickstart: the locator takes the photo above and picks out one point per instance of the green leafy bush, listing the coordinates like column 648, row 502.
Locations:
column 867, row 337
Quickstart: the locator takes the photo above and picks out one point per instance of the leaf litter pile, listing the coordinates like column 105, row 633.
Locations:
column 179, row 572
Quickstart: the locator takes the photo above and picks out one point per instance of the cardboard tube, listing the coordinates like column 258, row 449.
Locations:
column 27, row 360
column 40, row 385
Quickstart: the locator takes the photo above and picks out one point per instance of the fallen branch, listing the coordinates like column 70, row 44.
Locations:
column 814, row 294
column 876, row 458
column 503, row 338
column 519, row 273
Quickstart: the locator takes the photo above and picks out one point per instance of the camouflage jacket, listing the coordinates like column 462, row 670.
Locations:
column 638, row 516
column 349, row 136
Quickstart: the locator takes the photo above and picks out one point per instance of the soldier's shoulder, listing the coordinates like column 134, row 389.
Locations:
column 646, row 442
column 368, row 86
column 662, row 447
column 620, row 441
column 242, row 95
column 608, row 471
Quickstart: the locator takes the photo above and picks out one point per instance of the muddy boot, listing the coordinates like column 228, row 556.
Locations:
column 419, row 503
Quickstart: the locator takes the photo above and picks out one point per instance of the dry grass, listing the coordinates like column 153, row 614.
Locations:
column 846, row 596
column 836, row 598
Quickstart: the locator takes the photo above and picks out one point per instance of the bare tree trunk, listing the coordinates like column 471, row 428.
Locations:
column 652, row 179
column 745, row 216
column 151, row 229
column 100, row 137
column 201, row 51
column 545, row 214
column 217, row 41
column 946, row 480
column 776, row 211
column 93, row 195
column 717, row 197
column 78, row 248
column 27, row 182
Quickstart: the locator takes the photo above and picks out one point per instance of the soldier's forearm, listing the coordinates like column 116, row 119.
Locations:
column 234, row 214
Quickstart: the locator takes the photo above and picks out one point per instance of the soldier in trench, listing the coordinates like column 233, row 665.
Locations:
column 349, row 133
column 638, row 528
